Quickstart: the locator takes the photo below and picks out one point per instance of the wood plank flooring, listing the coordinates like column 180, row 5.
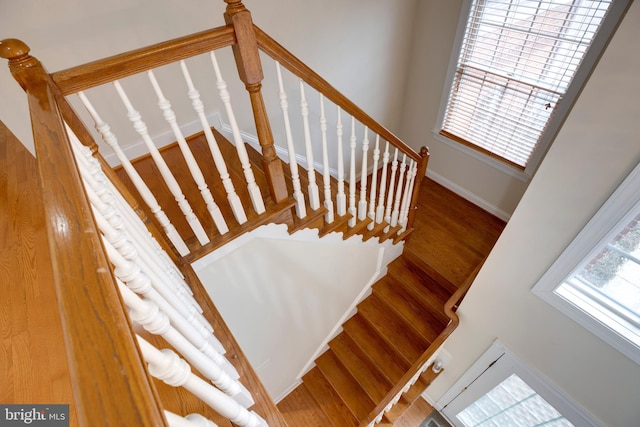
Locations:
column 33, row 361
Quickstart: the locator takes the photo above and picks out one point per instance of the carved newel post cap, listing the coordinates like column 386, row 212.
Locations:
column 13, row 48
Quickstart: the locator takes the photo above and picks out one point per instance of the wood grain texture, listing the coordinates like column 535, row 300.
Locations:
column 109, row 380
column 106, row 70
column 33, row 361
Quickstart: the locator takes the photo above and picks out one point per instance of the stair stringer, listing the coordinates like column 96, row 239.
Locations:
column 383, row 254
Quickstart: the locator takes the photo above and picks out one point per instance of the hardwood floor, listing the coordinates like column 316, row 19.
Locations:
column 33, row 360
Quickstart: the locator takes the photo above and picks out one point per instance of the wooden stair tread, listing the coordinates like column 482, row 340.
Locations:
column 371, row 379
column 425, row 271
column 391, row 363
column 376, row 231
column 299, row 408
column 347, row 387
column 403, row 302
column 394, row 329
column 328, row 399
column 422, row 284
column 339, row 222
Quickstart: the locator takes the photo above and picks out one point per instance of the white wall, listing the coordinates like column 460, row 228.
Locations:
column 284, row 296
column 434, row 34
column 327, row 35
column 594, row 151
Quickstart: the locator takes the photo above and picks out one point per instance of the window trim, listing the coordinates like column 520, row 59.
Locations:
column 597, row 232
column 609, row 24
column 503, row 359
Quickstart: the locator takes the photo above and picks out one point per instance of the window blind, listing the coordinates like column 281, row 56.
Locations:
column 516, row 62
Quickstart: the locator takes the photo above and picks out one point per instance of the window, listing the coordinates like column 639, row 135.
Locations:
column 596, row 280
column 502, row 390
column 518, row 69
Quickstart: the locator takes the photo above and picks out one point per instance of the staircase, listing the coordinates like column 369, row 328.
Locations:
column 119, row 235
column 392, row 329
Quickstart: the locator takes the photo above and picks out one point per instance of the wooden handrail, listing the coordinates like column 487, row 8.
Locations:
column 450, row 308
column 110, row 382
column 115, row 67
column 313, row 79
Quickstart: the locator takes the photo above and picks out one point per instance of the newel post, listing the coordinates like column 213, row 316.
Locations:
column 249, row 66
column 110, row 383
column 422, row 170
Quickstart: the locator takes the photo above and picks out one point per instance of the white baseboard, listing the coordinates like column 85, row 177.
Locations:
column 468, row 195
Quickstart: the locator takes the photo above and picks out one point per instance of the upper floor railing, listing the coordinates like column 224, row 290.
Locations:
column 98, row 225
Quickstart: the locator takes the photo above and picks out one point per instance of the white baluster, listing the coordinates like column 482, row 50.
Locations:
column 168, row 367
column 341, row 198
column 383, row 185
column 121, row 217
column 394, row 168
column 313, row 193
column 196, row 173
column 301, row 210
column 352, row 176
column 120, row 241
column 146, row 194
column 182, row 319
column 326, row 174
column 221, row 166
column 191, row 420
column 406, row 197
column 122, row 220
column 374, row 177
column 396, row 205
column 362, row 203
column 252, row 186
column 135, row 118
column 149, row 316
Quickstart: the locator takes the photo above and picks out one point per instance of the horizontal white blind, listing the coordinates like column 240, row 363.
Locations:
column 516, row 62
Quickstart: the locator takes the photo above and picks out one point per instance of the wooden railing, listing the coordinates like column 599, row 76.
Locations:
column 374, row 133
column 109, row 379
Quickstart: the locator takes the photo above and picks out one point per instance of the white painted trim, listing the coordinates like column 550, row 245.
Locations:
column 287, row 391
column 468, row 195
column 493, row 162
column 617, row 211
column 556, row 397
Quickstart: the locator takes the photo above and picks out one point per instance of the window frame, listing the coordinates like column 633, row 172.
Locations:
column 562, row 109
column 614, row 213
column 495, row 365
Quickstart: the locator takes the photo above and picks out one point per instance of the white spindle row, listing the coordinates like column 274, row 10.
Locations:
column 174, row 187
column 168, row 176
column 109, row 137
column 167, row 366
column 160, row 301
column 196, row 173
column 373, row 190
column 221, row 166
